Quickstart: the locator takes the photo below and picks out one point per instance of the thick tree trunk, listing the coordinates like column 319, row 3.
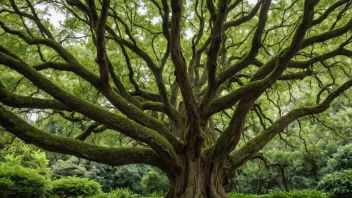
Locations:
column 196, row 179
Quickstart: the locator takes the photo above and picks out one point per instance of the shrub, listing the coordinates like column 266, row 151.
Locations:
column 241, row 195
column 307, row 194
column 156, row 194
column 278, row 194
column 110, row 178
column 18, row 181
column 75, row 187
column 342, row 159
column 67, row 168
column 118, row 193
column 282, row 194
column 339, row 184
column 27, row 156
column 121, row 193
column 101, row 195
column 155, row 181
column 5, row 186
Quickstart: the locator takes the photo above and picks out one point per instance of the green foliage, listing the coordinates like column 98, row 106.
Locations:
column 18, row 181
column 298, row 194
column 121, row 193
column 250, row 173
column 67, row 168
column 339, row 184
column 156, row 194
column 155, row 181
column 75, row 187
column 342, row 159
column 130, row 177
column 6, row 186
column 282, row 194
column 28, row 156
column 118, row 193
column 241, row 195
column 110, row 178
column 278, row 194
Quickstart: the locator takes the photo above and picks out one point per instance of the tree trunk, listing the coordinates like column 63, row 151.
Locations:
column 196, row 179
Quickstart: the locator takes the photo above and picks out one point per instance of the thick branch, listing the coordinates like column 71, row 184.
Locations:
column 255, row 45
column 257, row 143
column 179, row 62
column 13, row 100
column 213, row 55
column 47, row 141
column 298, row 75
column 230, row 137
column 101, row 53
column 114, row 121
column 73, row 65
column 243, row 19
column 94, row 127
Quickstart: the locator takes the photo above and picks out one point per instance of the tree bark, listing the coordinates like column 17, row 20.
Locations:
column 197, row 178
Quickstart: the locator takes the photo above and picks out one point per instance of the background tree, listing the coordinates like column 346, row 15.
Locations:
column 181, row 82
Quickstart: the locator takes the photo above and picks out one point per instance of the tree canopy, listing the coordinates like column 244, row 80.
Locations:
column 191, row 87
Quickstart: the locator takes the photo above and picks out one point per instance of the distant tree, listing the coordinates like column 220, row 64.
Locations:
column 172, row 84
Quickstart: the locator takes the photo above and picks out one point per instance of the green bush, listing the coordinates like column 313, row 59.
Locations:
column 155, row 181
column 75, row 187
column 298, row 194
column 156, row 194
column 241, row 195
column 5, row 186
column 118, row 193
column 282, row 194
column 67, row 168
column 27, row 156
column 18, row 181
column 278, row 194
column 101, row 195
column 121, row 193
column 339, row 184
column 111, row 178
column 307, row 194
column 342, row 159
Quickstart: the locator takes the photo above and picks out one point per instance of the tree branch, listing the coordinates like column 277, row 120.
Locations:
column 180, row 64
column 115, row 122
column 257, row 143
column 101, row 52
column 243, row 19
column 13, row 100
column 64, row 145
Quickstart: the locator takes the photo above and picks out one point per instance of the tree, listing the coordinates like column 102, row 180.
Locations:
column 185, row 80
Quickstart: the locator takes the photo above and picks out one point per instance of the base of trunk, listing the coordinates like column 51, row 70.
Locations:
column 196, row 180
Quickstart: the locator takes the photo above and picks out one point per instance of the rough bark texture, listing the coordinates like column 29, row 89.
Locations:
column 178, row 122
column 196, row 178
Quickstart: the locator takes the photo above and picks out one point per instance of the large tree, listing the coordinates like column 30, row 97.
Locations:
column 185, row 80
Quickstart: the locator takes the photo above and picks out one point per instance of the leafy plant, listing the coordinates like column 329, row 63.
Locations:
column 339, row 184
column 130, row 177
column 110, row 178
column 307, row 194
column 155, row 182
column 75, row 187
column 121, row 193
column 67, row 168
column 118, row 193
column 18, row 181
column 278, row 194
column 27, row 156
column 241, row 195
column 342, row 159
column 6, row 185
